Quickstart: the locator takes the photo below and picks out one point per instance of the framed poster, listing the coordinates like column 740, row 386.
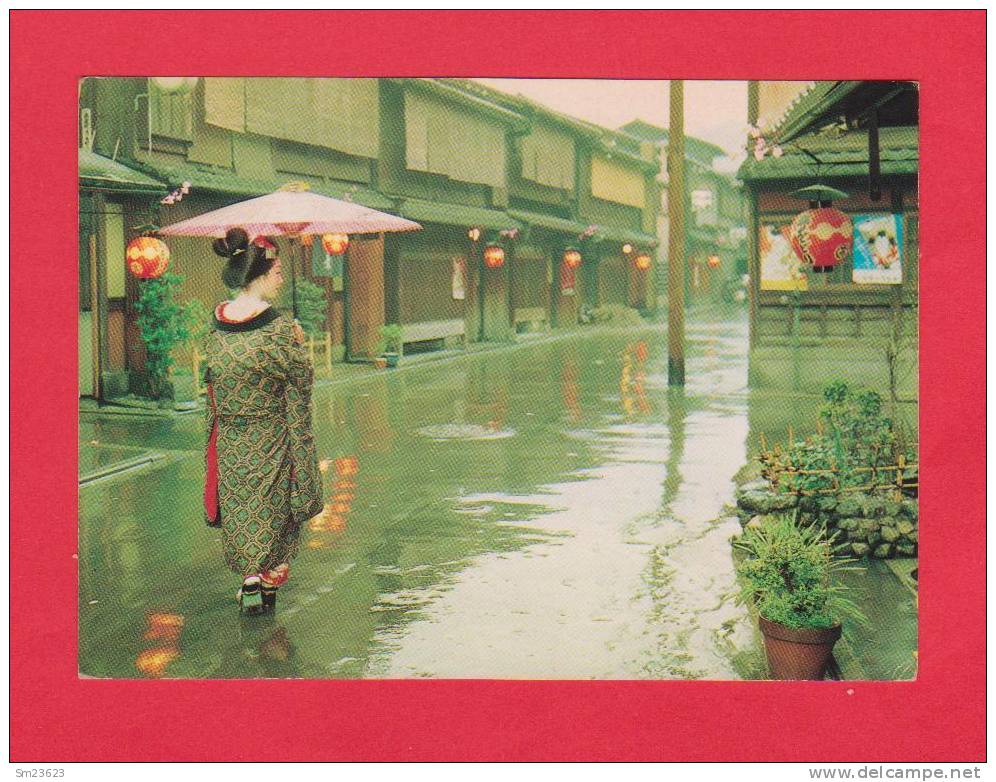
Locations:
column 781, row 268
column 878, row 243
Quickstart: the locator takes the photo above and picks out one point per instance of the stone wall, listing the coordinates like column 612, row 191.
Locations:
column 875, row 525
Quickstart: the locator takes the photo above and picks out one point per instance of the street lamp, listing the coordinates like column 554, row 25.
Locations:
column 335, row 244
column 494, row 256
column 572, row 258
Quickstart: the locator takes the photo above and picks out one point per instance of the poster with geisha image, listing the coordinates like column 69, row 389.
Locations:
column 878, row 242
column 781, row 268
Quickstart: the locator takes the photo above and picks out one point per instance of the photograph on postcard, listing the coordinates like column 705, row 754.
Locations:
column 497, row 378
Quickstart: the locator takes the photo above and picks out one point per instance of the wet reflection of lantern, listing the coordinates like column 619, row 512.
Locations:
column 332, row 521
column 153, row 662
column 162, row 626
column 494, row 256
column 570, row 390
column 347, row 465
column 147, row 257
column 631, row 388
column 164, row 629
column 335, row 244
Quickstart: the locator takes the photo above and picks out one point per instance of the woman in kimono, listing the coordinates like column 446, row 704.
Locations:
column 262, row 469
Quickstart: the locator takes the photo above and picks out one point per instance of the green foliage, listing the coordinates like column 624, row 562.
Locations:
column 390, row 339
column 312, row 306
column 199, row 320
column 791, row 575
column 163, row 324
column 855, row 434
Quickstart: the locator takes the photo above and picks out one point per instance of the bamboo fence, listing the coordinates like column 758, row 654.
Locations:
column 893, row 477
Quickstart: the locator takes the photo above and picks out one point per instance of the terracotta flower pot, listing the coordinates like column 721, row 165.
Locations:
column 797, row 654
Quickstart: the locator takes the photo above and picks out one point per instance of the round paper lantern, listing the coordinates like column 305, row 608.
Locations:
column 642, row 262
column 147, row 257
column 494, row 256
column 713, row 261
column 335, row 244
column 572, row 258
column 822, row 237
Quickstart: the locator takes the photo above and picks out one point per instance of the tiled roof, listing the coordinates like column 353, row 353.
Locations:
column 838, row 154
column 456, row 214
column 106, row 174
column 809, row 105
column 223, row 180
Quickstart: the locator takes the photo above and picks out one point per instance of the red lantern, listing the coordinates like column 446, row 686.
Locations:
column 572, row 258
column 822, row 237
column 642, row 262
column 494, row 256
column 147, row 257
column 713, row 261
column 335, row 244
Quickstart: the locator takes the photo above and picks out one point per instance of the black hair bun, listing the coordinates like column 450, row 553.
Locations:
column 234, row 247
column 236, row 240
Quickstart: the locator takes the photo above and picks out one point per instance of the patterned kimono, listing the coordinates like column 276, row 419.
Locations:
column 262, row 481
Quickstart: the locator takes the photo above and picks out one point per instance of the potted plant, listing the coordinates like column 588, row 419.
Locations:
column 790, row 574
column 390, row 343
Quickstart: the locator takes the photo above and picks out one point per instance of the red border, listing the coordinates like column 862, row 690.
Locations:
column 940, row 717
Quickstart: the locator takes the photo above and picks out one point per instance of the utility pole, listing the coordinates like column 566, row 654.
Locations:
column 676, row 236
column 753, row 222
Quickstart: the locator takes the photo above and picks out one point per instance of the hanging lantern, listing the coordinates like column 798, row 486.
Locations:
column 713, row 261
column 822, row 236
column 627, row 249
column 642, row 262
column 335, row 244
column 147, row 257
column 494, row 256
column 474, row 234
column 572, row 258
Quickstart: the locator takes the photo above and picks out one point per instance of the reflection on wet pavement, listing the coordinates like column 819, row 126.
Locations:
column 553, row 511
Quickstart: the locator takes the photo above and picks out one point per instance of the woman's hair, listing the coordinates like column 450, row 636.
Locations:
column 246, row 261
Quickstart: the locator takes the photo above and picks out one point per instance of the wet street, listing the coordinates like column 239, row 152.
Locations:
column 550, row 510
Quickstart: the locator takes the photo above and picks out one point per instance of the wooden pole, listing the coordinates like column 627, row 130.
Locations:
column 753, row 224
column 676, row 236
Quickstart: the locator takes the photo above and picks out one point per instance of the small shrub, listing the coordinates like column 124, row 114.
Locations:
column 163, row 324
column 390, row 339
column 790, row 574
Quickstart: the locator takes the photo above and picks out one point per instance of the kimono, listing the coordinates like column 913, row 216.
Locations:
column 262, row 479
